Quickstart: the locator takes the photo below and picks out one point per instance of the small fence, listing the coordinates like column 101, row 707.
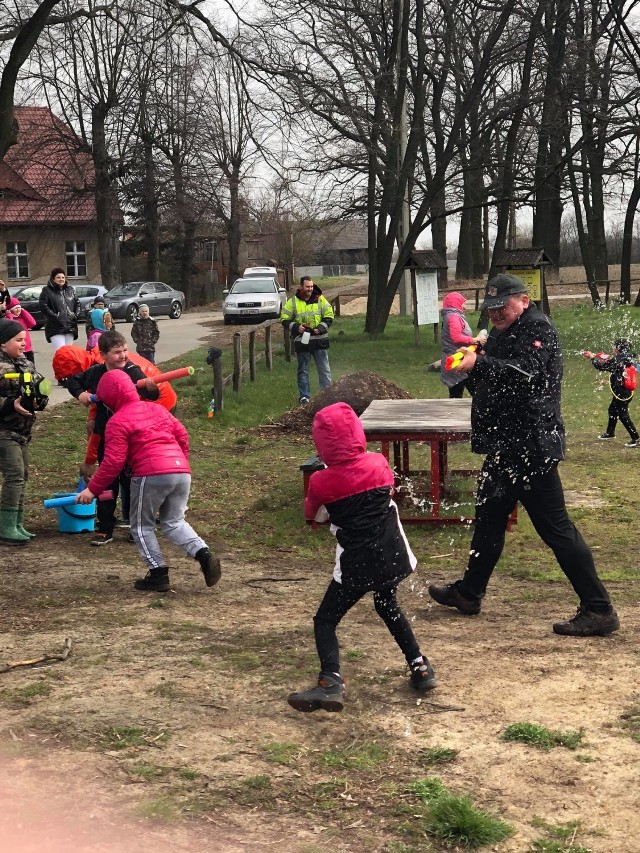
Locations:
column 242, row 366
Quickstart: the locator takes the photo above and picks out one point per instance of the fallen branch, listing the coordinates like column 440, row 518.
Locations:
column 253, row 581
column 45, row 659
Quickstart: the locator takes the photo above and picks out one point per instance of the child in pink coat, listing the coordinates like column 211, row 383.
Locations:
column 16, row 312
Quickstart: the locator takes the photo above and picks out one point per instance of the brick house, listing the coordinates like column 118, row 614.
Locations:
column 47, row 205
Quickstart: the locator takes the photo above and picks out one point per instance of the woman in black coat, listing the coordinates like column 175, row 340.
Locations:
column 60, row 305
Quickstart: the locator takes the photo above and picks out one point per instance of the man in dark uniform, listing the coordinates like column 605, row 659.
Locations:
column 516, row 422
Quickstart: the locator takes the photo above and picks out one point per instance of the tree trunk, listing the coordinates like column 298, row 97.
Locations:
column 150, row 207
column 627, row 246
column 106, row 204
column 548, row 173
column 439, row 234
column 233, row 227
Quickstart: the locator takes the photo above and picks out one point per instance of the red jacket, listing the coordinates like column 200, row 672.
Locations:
column 143, row 435
column 355, row 488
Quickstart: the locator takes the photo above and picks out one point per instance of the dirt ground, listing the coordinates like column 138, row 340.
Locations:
column 202, row 677
column 167, row 728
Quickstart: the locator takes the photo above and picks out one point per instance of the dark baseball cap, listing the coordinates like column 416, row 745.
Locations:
column 500, row 288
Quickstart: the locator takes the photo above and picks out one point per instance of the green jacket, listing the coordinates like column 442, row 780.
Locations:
column 316, row 315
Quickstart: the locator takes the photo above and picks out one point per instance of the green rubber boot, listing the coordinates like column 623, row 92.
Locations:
column 9, row 533
column 20, row 527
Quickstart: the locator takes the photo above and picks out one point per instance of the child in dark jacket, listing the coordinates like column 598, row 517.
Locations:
column 372, row 552
column 16, row 422
column 145, row 334
column 155, row 445
column 621, row 367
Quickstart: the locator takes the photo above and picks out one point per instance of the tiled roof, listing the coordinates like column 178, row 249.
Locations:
column 532, row 257
column 46, row 179
column 425, row 259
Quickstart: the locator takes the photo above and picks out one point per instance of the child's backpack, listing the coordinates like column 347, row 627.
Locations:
column 630, row 377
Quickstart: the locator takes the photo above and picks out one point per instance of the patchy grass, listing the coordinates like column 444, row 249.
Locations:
column 437, row 755
column 541, row 737
column 558, row 838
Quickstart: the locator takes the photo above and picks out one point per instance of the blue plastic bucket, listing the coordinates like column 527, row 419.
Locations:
column 75, row 518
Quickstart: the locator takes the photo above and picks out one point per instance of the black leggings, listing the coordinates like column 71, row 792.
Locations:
column 338, row 601
column 619, row 410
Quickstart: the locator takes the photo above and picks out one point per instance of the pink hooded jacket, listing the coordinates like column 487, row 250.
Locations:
column 452, row 306
column 144, row 435
column 25, row 319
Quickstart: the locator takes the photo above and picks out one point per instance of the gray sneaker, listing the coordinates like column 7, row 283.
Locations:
column 328, row 695
column 588, row 623
column 449, row 596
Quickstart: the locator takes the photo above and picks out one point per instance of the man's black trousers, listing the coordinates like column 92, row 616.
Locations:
column 543, row 499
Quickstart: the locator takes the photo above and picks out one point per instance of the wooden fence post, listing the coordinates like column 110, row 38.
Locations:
column 287, row 344
column 268, row 349
column 252, row 356
column 336, row 308
column 214, row 358
column 237, row 361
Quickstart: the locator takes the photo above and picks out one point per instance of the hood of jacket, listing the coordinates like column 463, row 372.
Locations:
column 454, row 300
column 116, row 390
column 13, row 302
column 316, row 293
column 97, row 318
column 338, row 434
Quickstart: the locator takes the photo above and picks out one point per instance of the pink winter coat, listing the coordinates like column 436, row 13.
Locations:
column 143, row 435
column 25, row 319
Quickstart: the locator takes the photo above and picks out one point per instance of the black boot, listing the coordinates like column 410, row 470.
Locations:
column 210, row 566
column 328, row 695
column 422, row 675
column 156, row 580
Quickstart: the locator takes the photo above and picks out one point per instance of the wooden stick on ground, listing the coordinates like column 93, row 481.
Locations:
column 64, row 654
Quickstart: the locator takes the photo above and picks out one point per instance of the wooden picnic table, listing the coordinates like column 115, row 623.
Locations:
column 399, row 423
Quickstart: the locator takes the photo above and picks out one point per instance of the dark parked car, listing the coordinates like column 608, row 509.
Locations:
column 124, row 300
column 29, row 298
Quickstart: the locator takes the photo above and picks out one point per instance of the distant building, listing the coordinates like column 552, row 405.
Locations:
column 47, row 204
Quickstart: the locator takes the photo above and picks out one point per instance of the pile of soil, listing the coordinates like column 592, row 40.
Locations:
column 356, row 389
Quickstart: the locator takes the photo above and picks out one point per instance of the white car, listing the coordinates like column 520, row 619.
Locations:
column 252, row 300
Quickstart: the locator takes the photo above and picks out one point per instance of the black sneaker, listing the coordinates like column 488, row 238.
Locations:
column 449, row 596
column 102, row 539
column 422, row 675
column 123, row 522
column 632, row 443
column 605, row 437
column 156, row 580
column 210, row 566
column 303, row 401
column 589, row 623
column 328, row 695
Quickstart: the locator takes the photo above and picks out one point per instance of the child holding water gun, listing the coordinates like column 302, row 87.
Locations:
column 622, row 381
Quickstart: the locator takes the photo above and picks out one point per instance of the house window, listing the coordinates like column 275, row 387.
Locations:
column 254, row 250
column 76, row 259
column 211, row 252
column 17, row 260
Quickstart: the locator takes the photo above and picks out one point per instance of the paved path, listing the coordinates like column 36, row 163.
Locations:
column 176, row 337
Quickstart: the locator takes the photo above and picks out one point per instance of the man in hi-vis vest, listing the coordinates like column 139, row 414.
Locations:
column 308, row 315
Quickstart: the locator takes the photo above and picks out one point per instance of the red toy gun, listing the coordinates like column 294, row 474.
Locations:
column 453, row 360
column 603, row 356
column 180, row 373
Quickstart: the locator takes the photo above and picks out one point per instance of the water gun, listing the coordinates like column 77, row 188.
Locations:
column 34, row 392
column 453, row 360
column 603, row 356
column 66, row 500
column 212, row 408
column 179, row 373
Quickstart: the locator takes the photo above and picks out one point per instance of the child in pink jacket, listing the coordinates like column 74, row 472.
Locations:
column 155, row 445
column 16, row 312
